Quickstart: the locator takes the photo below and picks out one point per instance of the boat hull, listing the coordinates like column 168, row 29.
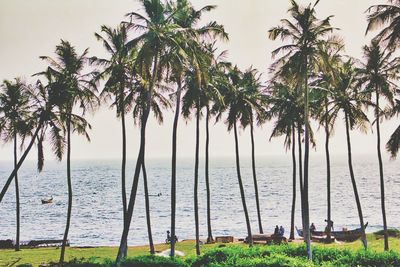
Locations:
column 347, row 236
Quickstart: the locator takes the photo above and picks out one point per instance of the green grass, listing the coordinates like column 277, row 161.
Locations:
column 375, row 243
column 44, row 255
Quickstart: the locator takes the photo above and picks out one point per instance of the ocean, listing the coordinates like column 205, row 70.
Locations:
column 97, row 207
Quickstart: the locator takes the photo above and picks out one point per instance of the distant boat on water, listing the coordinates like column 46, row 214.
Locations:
column 47, row 200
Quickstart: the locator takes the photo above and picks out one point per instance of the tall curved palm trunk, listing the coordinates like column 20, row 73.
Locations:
column 242, row 195
column 123, row 246
column 328, row 172
column 16, row 196
column 353, row 182
column 300, row 171
column 147, row 204
column 21, row 161
column 196, row 180
column 173, row 174
column 253, row 165
column 382, row 181
column 306, row 226
column 294, row 183
column 123, row 163
column 69, row 182
column 210, row 238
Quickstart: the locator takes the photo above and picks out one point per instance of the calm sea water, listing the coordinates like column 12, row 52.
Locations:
column 97, row 208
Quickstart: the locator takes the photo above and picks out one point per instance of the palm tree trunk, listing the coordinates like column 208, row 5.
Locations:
column 328, row 171
column 300, row 171
column 242, row 195
column 353, row 182
column 210, row 238
column 382, row 181
column 196, row 180
column 69, row 182
column 16, row 195
column 306, row 159
column 21, row 160
column 147, row 204
column 294, row 183
column 173, row 174
column 253, row 165
column 123, row 246
column 123, row 167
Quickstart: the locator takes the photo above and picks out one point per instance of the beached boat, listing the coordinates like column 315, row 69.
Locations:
column 344, row 235
column 350, row 235
column 10, row 244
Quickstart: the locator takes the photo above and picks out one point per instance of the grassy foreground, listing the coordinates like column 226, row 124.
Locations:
column 44, row 255
column 99, row 254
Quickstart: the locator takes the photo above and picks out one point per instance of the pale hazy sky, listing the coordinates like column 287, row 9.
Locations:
column 29, row 29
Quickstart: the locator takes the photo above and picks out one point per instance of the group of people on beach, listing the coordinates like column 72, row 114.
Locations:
column 279, row 231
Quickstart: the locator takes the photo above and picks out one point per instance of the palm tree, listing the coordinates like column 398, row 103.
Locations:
column 387, row 16
column 377, row 75
column 286, row 107
column 177, row 74
column 157, row 33
column 211, row 96
column 202, row 88
column 324, row 84
column 236, row 104
column 135, row 101
column 117, row 72
column 73, row 88
column 46, row 117
column 255, row 102
column 187, row 18
column 194, row 80
column 306, row 33
column 347, row 98
column 15, row 122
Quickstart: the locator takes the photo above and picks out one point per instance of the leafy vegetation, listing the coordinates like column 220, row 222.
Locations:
column 240, row 255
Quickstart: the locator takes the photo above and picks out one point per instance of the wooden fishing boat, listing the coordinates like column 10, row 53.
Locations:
column 344, row 235
column 6, row 244
column 350, row 235
column 314, row 233
column 47, row 201
column 44, row 243
column 10, row 244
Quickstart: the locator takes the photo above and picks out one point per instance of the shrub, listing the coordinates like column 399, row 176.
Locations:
column 369, row 258
column 326, row 255
column 274, row 261
column 253, row 257
column 79, row 263
column 293, row 255
column 152, row 261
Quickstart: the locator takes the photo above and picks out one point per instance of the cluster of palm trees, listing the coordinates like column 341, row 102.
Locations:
column 166, row 56
column 312, row 74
